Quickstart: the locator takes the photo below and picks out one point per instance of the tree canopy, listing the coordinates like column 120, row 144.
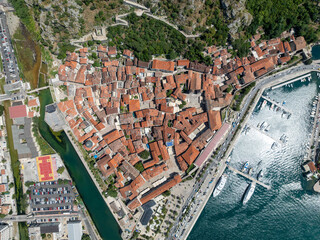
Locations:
column 276, row 16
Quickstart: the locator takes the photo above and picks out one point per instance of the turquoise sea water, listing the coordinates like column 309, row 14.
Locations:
column 288, row 210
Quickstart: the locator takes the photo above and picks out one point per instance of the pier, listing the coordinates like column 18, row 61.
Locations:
column 292, row 81
column 277, row 104
column 249, row 177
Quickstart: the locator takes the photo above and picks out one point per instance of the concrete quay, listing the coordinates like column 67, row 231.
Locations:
column 249, row 101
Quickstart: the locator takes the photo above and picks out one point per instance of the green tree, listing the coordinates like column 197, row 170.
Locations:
column 144, row 155
column 60, row 170
column 166, row 193
column 85, row 237
column 139, row 166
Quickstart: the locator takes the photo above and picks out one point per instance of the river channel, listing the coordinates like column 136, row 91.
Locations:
column 99, row 211
column 289, row 210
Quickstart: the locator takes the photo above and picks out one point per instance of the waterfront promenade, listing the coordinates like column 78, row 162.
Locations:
column 252, row 97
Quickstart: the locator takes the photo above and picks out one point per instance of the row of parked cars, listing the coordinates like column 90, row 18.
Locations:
column 58, row 200
column 50, row 191
column 61, row 208
column 8, row 60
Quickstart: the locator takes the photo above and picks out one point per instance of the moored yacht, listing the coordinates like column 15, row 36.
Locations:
column 260, row 175
column 245, row 167
column 220, row 185
column 249, row 192
column 263, row 104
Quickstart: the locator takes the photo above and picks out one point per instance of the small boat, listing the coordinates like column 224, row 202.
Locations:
column 267, row 128
column 260, row 175
column 220, row 185
column 271, row 107
column 250, row 171
column 263, row 104
column 249, row 192
column 245, row 167
column 283, row 138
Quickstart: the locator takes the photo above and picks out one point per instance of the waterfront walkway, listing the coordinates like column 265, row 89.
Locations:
column 249, row 177
column 38, row 89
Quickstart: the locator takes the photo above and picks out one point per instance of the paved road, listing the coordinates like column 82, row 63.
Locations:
column 31, row 217
column 260, row 83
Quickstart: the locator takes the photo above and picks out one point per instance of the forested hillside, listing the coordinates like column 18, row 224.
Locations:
column 276, row 16
column 219, row 22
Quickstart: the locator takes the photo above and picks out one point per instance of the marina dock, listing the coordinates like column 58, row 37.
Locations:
column 249, row 177
column 277, row 104
column 308, row 76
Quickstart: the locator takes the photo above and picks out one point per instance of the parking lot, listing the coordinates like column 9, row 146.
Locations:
column 51, row 197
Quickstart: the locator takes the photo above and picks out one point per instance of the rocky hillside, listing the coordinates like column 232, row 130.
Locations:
column 62, row 20
column 194, row 16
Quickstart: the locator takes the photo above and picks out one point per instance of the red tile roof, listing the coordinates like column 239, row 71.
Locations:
column 214, row 120
column 167, row 66
column 18, row 111
column 190, row 155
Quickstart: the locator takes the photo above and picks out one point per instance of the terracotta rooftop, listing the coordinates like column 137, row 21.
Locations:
column 167, row 66
column 190, row 155
column 112, row 136
column 18, row 111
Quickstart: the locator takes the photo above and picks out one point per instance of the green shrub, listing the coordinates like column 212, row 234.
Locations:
column 144, row 155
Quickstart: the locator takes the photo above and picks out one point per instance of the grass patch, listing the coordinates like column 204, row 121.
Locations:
column 23, row 231
column 2, row 83
column 28, row 54
column 192, row 166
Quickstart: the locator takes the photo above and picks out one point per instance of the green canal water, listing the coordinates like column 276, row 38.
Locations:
column 316, row 52
column 99, row 211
